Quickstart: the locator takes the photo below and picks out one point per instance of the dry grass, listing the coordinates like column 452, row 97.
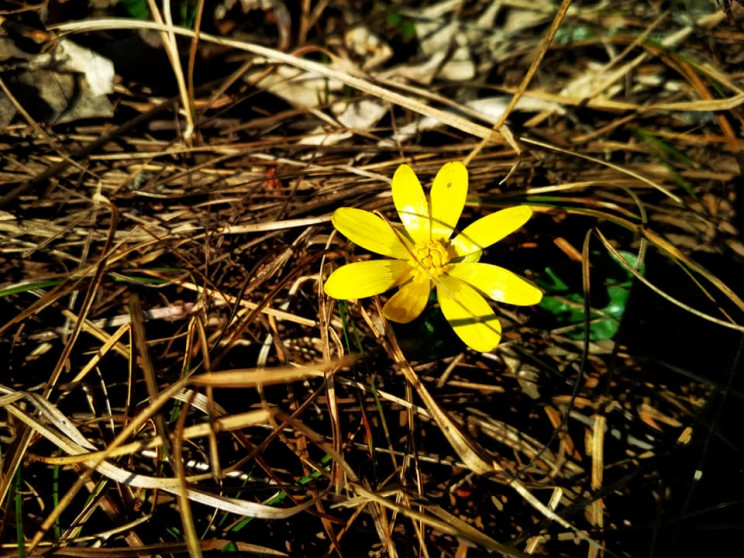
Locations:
column 177, row 381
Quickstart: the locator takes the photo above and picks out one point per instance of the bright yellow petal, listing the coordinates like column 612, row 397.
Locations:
column 407, row 304
column 448, row 193
column 489, row 230
column 362, row 279
column 469, row 314
column 497, row 283
column 370, row 232
column 411, row 203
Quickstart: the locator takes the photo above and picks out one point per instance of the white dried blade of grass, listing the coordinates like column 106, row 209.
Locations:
column 351, row 520
column 60, row 426
column 473, row 457
column 244, row 150
column 702, row 105
column 254, row 377
column 555, row 418
column 128, row 431
column 220, row 298
column 58, row 419
column 580, row 185
column 136, row 550
column 600, row 162
column 197, row 23
column 33, row 423
column 93, row 214
column 676, row 254
column 595, row 511
column 330, row 380
column 573, row 90
column 174, row 312
column 467, row 528
column 243, row 508
column 228, row 423
column 619, row 258
column 461, row 444
column 42, row 231
column 126, row 529
column 702, row 140
column 112, row 342
column 555, row 500
column 419, row 528
column 596, row 81
column 624, row 70
column 523, row 443
column 652, row 416
column 90, row 295
column 449, row 526
column 716, row 75
column 117, row 474
column 142, row 351
column 179, row 468
column 366, row 496
column 46, row 298
column 97, row 500
column 273, row 225
column 529, row 74
column 382, row 526
column 171, row 48
column 702, row 89
column 276, row 56
column 71, row 282
column 610, row 105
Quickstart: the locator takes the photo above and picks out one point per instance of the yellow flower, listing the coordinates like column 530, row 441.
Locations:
column 423, row 257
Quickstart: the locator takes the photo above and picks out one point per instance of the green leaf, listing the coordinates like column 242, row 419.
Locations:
column 25, row 287
column 137, row 9
column 565, row 301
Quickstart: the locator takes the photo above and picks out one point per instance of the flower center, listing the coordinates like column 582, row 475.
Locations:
column 431, row 257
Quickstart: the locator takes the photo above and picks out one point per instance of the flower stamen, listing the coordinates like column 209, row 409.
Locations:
column 431, row 258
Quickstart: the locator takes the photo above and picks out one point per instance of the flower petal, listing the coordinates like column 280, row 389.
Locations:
column 489, row 230
column 362, row 279
column 448, row 193
column 469, row 314
column 411, row 203
column 497, row 283
column 370, row 232
column 407, row 304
